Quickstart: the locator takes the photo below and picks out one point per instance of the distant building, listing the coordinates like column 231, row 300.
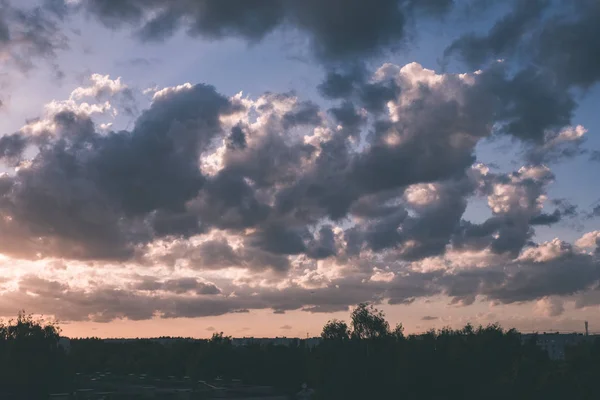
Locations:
column 555, row 343
column 65, row 344
column 278, row 341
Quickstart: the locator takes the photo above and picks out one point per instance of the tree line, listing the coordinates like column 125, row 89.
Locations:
column 362, row 359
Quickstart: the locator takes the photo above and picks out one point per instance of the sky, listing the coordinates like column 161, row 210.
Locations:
column 185, row 167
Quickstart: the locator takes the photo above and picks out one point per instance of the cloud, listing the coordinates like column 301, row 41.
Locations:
column 535, row 30
column 100, row 97
column 212, row 254
column 536, row 275
column 429, row 318
column 86, row 195
column 304, row 113
column 211, row 329
column 516, row 201
column 12, row 146
column 549, row 63
column 503, row 37
column 140, row 62
column 360, row 30
column 101, row 86
column 564, row 144
column 286, row 327
column 590, row 240
column 179, row 286
column 235, row 204
column 549, row 307
column 549, row 270
column 29, row 34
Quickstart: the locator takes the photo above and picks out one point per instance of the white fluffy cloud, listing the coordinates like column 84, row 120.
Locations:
column 549, row 307
column 100, row 86
column 590, row 240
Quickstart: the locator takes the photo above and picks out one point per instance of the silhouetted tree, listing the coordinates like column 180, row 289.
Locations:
column 335, row 330
column 369, row 322
column 365, row 360
column 398, row 331
column 31, row 361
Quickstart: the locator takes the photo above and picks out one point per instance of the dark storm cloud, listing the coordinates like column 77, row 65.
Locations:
column 503, row 234
column 322, row 190
column 154, row 167
column 86, row 195
column 384, row 167
column 12, row 146
column 237, row 138
column 568, row 44
column 348, row 117
column 342, row 182
column 178, row 286
column 475, row 236
column 67, row 215
column 214, row 19
column 385, row 233
column 377, row 205
column 352, row 83
column 360, row 29
column 305, row 113
column 546, row 219
column 415, row 149
column 28, row 34
column 568, row 274
column 563, row 210
column 227, row 201
column 167, row 223
column 341, row 84
column 257, row 259
column 217, row 253
column 426, row 232
column 279, row 240
column 271, row 156
column 555, row 47
column 503, row 37
column 374, row 96
column 324, row 246
column 532, row 105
